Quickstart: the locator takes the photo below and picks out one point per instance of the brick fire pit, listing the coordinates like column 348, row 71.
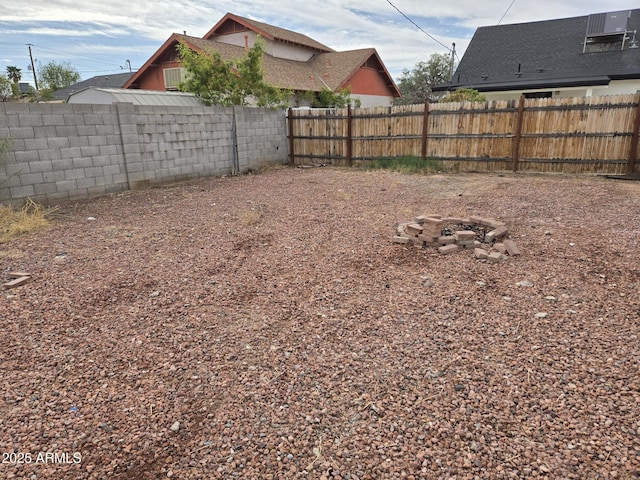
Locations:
column 486, row 237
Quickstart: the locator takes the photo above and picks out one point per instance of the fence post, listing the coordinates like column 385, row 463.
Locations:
column 517, row 134
column 349, row 137
column 425, row 129
column 633, row 149
column 290, row 125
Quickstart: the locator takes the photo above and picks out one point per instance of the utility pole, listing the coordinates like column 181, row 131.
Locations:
column 33, row 66
column 453, row 57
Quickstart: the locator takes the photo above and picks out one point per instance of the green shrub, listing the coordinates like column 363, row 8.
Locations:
column 411, row 165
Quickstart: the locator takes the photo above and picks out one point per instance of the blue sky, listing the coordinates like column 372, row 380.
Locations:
column 102, row 38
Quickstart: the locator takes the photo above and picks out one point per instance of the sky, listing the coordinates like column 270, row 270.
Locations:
column 102, row 38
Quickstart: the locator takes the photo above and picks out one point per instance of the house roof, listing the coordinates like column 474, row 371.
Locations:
column 270, row 32
column 547, row 54
column 324, row 70
column 107, row 81
column 137, row 97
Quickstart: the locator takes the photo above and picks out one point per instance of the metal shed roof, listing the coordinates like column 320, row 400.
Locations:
column 137, row 97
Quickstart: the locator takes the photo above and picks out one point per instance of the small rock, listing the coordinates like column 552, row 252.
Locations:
column 175, row 427
column 550, row 298
column 155, row 294
column 91, row 219
column 524, row 283
column 541, row 314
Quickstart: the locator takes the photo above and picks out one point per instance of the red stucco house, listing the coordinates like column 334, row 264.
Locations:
column 292, row 61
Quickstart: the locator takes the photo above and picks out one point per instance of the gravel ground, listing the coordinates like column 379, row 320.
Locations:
column 265, row 327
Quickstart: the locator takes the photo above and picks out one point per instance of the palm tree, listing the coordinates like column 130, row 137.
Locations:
column 14, row 74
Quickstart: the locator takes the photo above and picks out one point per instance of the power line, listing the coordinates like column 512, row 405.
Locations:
column 506, row 11
column 419, row 27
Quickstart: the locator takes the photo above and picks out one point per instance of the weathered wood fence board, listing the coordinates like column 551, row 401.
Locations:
column 581, row 134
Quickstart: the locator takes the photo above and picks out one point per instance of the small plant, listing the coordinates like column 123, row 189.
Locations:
column 410, row 165
column 249, row 217
column 29, row 218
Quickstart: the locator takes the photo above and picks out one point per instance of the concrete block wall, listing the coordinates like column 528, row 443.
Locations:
column 61, row 152
column 262, row 137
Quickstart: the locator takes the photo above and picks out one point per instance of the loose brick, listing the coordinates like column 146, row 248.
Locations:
column 427, row 238
column 495, row 257
column 500, row 247
column 500, row 231
column 448, row 249
column 399, row 239
column 16, row 282
column 433, row 221
column 512, row 248
column 480, row 253
column 496, row 233
column 413, row 229
column 465, row 235
column 19, row 274
column 446, row 240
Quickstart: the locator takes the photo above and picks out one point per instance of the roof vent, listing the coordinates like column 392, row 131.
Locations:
column 607, row 27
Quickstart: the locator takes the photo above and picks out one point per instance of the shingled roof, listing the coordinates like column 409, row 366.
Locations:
column 547, row 54
column 324, row 70
column 324, row 67
column 105, row 81
column 267, row 31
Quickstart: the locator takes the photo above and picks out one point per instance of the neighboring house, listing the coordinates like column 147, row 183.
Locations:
column 108, row 96
column 105, row 81
column 572, row 57
column 292, row 61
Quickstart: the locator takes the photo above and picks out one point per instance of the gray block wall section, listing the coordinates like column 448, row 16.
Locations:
column 59, row 152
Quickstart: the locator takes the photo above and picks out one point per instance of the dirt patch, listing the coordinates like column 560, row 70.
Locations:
column 272, row 317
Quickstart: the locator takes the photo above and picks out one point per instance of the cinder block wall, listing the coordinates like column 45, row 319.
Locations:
column 61, row 152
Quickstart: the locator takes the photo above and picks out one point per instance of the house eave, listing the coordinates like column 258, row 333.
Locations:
column 527, row 84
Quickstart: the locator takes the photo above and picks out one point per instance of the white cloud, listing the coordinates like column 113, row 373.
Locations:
column 340, row 24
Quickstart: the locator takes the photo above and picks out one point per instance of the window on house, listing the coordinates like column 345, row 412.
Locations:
column 172, row 77
column 538, row 95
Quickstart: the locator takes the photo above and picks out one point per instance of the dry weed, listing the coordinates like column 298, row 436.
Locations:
column 249, row 217
column 29, row 218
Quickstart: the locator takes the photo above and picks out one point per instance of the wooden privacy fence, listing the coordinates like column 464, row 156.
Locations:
column 570, row 135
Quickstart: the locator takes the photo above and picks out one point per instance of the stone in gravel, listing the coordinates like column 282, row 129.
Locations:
column 541, row 315
column 175, row 427
column 524, row 283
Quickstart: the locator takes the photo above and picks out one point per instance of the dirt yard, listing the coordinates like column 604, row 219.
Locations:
column 265, row 327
